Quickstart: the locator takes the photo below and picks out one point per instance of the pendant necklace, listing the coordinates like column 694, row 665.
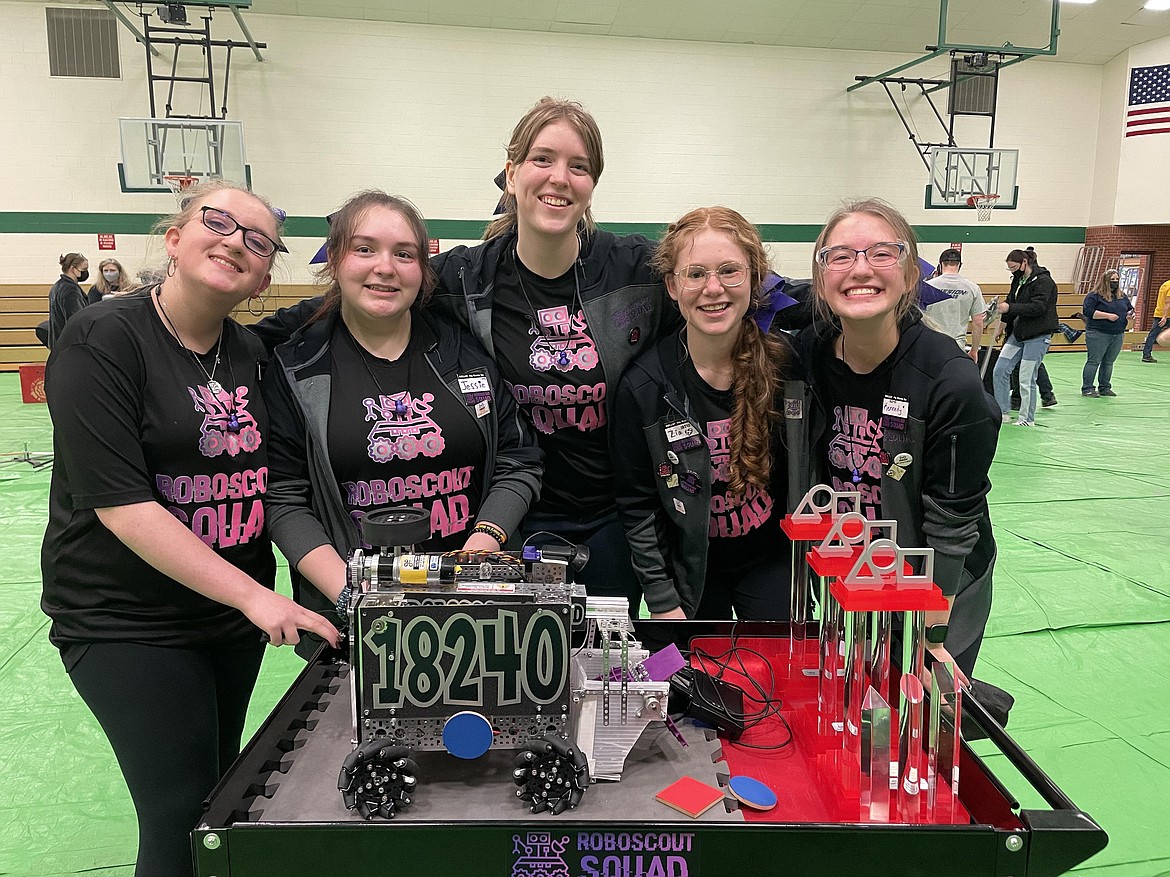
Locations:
column 214, row 386
column 575, row 305
column 364, row 355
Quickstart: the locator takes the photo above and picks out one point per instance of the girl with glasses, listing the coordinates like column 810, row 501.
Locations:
column 899, row 414
column 375, row 402
column 701, row 464
column 157, row 566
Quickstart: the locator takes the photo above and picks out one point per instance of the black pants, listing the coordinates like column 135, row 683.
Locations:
column 762, row 593
column 1043, row 384
column 174, row 719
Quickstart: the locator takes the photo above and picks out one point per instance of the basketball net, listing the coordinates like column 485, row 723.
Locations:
column 983, row 205
column 178, row 183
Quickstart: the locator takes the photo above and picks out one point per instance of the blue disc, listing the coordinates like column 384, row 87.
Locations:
column 752, row 793
column 467, row 735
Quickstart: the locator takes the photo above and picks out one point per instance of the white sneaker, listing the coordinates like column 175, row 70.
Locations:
column 1025, row 423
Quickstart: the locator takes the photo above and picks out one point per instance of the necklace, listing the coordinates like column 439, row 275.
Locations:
column 364, row 356
column 562, row 352
column 214, row 386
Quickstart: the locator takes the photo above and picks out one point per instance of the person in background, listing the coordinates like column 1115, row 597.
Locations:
column 1159, row 321
column 701, row 467
column 66, row 297
column 1107, row 313
column 157, row 567
column 901, row 415
column 1029, row 319
column 964, row 306
column 111, row 279
column 377, row 394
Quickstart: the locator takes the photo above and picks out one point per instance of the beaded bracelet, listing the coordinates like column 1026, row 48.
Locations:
column 491, row 530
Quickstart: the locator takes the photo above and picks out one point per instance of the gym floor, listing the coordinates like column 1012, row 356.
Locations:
column 1080, row 634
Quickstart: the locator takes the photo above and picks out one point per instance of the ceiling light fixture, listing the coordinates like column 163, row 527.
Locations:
column 1079, row 2
column 1157, row 5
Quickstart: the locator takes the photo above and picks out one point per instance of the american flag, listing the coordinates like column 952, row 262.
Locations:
column 1149, row 101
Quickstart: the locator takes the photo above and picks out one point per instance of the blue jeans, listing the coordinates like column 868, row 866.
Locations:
column 1103, row 349
column 1029, row 355
column 1156, row 327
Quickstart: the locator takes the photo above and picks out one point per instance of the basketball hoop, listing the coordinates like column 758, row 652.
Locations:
column 179, row 183
column 983, row 205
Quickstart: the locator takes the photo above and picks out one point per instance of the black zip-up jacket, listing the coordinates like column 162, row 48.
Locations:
column 951, row 434
column 669, row 544
column 304, row 504
column 1031, row 305
column 66, row 298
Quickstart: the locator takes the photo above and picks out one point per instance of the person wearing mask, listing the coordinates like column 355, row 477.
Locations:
column 1107, row 313
column 378, row 402
column 157, row 568
column 701, row 465
column 883, row 387
column 66, row 297
column 1029, row 319
column 112, row 279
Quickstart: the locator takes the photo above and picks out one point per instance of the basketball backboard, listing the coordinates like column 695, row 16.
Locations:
column 958, row 173
column 153, row 149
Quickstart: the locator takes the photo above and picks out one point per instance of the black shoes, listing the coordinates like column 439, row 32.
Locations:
column 1148, row 359
column 1048, row 402
column 1106, row 393
column 1091, row 394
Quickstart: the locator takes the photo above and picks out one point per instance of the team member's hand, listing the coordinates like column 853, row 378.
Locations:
column 481, row 542
column 282, row 620
column 939, row 652
column 1002, row 307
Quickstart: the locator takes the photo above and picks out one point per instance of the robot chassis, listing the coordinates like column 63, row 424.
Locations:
column 472, row 651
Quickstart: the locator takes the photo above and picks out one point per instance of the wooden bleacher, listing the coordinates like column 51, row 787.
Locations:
column 23, row 306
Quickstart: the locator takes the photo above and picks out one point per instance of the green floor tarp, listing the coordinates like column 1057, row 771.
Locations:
column 1079, row 634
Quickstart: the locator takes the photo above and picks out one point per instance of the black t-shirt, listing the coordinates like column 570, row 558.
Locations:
column 852, row 443
column 397, row 436
column 743, row 530
column 134, row 421
column 549, row 361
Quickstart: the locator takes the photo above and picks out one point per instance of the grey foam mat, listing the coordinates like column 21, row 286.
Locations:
column 451, row 789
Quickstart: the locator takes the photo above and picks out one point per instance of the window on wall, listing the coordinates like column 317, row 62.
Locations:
column 83, row 42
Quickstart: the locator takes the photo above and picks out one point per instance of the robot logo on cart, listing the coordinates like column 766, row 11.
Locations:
column 539, row 855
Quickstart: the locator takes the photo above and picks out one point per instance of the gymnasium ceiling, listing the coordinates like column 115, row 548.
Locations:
column 1091, row 34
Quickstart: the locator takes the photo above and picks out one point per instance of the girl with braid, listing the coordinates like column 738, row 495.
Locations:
column 701, row 468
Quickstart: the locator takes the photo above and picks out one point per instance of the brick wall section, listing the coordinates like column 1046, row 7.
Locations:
column 1118, row 239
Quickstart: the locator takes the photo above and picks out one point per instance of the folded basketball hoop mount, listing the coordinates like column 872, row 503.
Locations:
column 983, row 205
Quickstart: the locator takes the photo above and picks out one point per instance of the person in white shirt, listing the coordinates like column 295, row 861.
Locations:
column 964, row 304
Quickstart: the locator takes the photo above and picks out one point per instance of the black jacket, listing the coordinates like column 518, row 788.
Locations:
column 1031, row 305
column 304, row 503
column 667, row 528
column 624, row 301
column 66, row 298
column 951, row 434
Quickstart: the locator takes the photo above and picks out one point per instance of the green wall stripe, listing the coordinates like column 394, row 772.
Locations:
column 472, row 229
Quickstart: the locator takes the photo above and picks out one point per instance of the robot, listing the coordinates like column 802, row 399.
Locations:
column 472, row 651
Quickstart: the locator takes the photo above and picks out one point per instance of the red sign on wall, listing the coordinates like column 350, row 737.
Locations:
column 958, row 247
column 106, row 242
column 434, row 246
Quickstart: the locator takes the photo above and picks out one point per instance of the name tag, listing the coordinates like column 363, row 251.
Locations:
column 475, row 389
column 894, row 406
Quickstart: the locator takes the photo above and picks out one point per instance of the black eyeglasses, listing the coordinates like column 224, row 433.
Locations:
column 225, row 224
